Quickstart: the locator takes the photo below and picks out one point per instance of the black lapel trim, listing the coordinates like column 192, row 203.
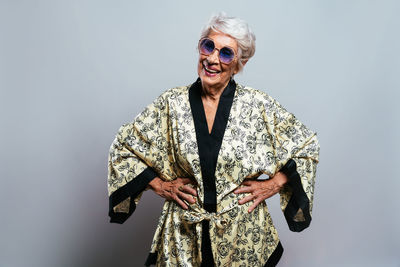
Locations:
column 207, row 259
column 275, row 256
column 298, row 200
column 131, row 189
column 210, row 144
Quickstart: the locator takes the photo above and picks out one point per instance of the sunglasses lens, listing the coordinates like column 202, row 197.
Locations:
column 207, row 46
column 226, row 55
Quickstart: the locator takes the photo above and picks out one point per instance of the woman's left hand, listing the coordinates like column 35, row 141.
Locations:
column 260, row 190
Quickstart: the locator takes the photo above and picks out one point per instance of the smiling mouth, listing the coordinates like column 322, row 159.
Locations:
column 209, row 70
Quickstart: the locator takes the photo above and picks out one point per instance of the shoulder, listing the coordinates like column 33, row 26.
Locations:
column 171, row 94
column 176, row 91
column 247, row 92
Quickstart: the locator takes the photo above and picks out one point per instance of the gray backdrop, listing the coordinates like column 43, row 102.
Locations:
column 72, row 72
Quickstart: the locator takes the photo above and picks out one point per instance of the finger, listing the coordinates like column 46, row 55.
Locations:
column 168, row 195
column 254, row 205
column 180, row 202
column 188, row 198
column 189, row 190
column 268, row 195
column 245, row 189
column 165, row 191
column 246, row 199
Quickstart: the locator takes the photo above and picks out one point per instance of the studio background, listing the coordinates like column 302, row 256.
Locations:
column 72, row 72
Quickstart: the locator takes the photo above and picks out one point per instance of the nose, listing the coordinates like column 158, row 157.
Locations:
column 213, row 57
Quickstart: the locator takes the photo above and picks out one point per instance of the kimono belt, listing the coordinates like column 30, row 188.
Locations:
column 219, row 219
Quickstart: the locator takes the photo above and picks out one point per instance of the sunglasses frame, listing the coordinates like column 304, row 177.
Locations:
column 218, row 49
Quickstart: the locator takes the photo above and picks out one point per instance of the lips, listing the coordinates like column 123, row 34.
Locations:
column 210, row 70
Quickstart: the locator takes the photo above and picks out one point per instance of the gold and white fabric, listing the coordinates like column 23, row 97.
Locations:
column 257, row 136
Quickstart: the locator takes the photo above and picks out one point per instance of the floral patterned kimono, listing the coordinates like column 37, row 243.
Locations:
column 252, row 135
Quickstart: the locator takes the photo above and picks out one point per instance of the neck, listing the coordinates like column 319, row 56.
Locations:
column 212, row 93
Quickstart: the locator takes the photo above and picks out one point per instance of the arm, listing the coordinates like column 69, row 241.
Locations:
column 137, row 155
column 128, row 176
column 297, row 152
column 141, row 157
column 296, row 156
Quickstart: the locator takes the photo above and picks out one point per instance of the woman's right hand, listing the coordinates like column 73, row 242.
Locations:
column 176, row 190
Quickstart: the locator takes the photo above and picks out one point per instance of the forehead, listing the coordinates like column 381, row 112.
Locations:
column 222, row 39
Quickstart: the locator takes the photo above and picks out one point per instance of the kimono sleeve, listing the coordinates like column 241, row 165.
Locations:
column 297, row 156
column 136, row 156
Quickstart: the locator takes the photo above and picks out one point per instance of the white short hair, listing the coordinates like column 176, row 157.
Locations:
column 236, row 28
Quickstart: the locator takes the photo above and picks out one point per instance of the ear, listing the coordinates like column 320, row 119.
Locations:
column 237, row 66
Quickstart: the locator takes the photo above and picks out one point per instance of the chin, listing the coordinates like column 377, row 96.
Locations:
column 210, row 81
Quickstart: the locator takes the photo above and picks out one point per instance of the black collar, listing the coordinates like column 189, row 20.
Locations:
column 210, row 144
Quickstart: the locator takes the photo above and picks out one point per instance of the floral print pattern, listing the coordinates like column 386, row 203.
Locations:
column 260, row 137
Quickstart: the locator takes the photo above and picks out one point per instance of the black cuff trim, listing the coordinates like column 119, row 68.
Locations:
column 298, row 200
column 275, row 256
column 151, row 259
column 289, row 169
column 131, row 189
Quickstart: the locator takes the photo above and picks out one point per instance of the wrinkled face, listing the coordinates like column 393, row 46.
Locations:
column 211, row 71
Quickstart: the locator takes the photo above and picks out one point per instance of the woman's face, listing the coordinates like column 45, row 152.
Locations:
column 212, row 72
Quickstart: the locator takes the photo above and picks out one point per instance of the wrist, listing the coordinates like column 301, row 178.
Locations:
column 280, row 179
column 155, row 184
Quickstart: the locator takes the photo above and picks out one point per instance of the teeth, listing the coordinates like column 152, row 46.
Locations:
column 208, row 70
column 211, row 71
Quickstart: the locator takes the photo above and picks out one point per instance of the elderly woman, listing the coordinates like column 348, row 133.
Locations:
column 202, row 148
